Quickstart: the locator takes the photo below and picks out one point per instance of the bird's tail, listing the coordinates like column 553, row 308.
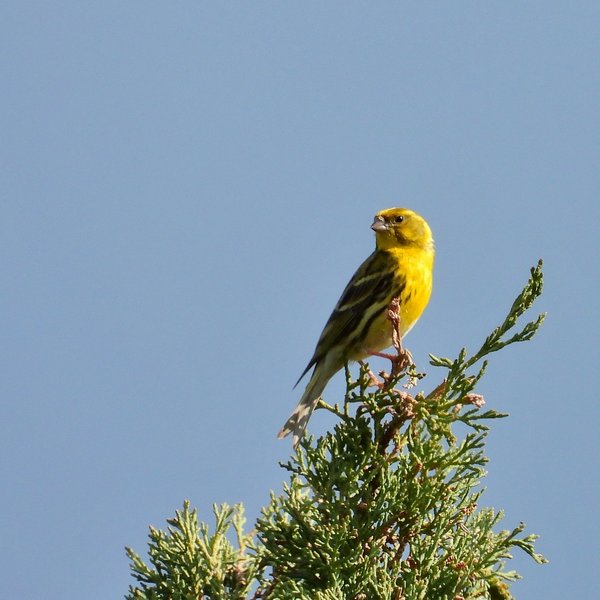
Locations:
column 297, row 422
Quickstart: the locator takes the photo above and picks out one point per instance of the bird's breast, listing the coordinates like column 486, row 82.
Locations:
column 414, row 294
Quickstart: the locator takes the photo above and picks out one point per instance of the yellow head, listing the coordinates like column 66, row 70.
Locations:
column 401, row 227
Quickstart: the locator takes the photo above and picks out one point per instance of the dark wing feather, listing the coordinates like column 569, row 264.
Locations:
column 373, row 280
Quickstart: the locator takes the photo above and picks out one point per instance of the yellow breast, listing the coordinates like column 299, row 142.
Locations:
column 415, row 269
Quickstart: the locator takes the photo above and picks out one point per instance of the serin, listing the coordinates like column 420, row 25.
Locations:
column 401, row 267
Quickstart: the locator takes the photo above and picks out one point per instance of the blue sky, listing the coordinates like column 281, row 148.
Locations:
column 186, row 189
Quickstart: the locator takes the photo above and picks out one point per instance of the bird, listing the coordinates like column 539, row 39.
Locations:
column 401, row 269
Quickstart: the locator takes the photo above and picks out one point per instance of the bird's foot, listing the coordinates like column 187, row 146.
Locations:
column 400, row 361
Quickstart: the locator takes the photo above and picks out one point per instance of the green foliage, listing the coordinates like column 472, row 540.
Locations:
column 387, row 506
column 190, row 563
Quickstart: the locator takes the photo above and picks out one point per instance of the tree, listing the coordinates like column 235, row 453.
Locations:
column 386, row 506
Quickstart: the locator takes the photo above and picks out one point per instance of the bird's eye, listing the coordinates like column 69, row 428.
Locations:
column 398, row 219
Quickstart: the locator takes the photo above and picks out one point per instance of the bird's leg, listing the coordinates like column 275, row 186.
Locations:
column 403, row 358
column 387, row 355
column 400, row 361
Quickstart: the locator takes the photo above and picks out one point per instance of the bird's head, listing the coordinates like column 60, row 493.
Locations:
column 401, row 227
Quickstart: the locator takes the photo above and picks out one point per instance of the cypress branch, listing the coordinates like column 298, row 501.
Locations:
column 385, row 506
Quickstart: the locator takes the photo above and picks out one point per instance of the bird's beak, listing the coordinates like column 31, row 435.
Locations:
column 379, row 225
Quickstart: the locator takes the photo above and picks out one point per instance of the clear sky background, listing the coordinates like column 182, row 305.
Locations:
column 186, row 188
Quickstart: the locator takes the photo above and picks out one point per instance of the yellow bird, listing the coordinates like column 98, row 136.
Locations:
column 400, row 267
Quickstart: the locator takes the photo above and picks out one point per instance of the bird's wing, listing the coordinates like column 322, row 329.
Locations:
column 366, row 296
